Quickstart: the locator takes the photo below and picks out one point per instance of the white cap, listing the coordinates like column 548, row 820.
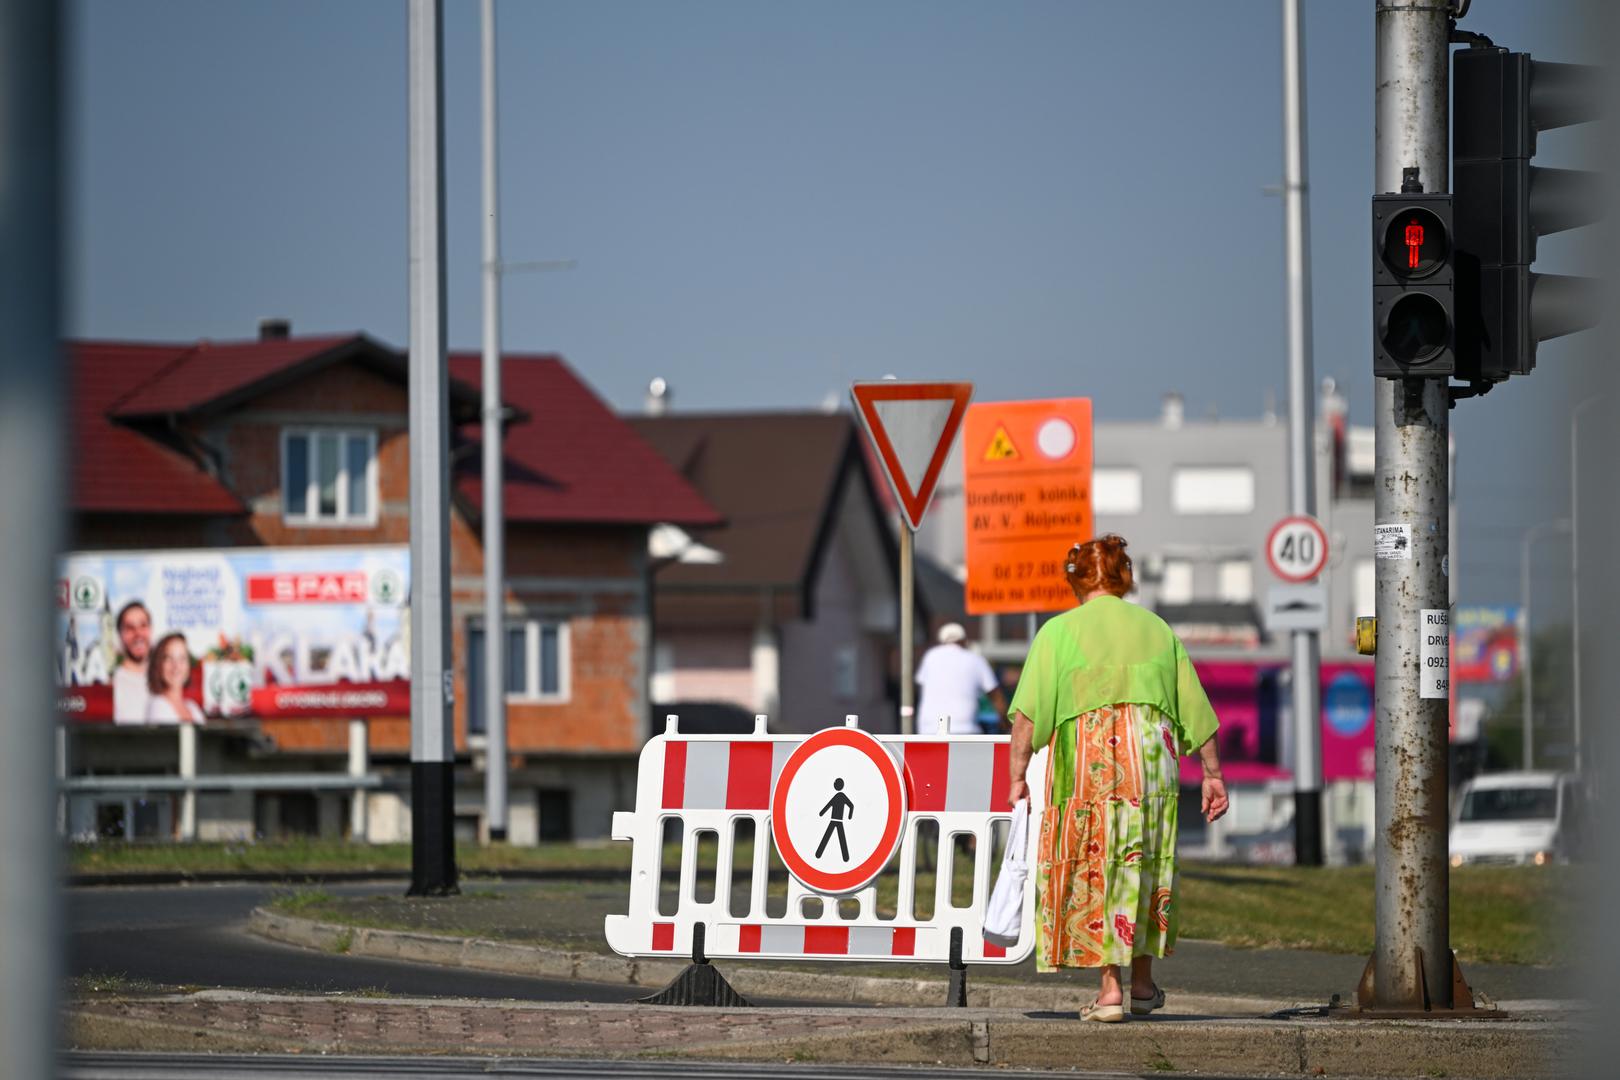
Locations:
column 951, row 633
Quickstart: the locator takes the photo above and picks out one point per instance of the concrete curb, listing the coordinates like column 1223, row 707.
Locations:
column 214, row 1020
column 509, row 958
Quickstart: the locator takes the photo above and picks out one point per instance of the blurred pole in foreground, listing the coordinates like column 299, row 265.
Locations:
column 31, row 483
column 1598, row 525
column 1304, row 648
column 433, row 761
column 494, row 699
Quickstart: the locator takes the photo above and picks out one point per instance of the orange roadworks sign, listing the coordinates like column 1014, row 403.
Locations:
column 1027, row 487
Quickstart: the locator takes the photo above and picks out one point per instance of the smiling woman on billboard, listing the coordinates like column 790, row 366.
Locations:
column 167, row 677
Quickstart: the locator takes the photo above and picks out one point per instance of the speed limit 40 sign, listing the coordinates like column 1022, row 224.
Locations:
column 1297, row 548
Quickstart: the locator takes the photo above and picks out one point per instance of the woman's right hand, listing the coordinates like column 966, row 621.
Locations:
column 1215, row 801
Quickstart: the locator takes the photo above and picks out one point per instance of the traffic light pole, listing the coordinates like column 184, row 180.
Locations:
column 1301, row 436
column 1411, row 968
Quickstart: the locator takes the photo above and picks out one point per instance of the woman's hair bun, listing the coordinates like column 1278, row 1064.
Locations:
column 1101, row 563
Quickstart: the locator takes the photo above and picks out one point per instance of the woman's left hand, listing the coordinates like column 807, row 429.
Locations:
column 1215, row 802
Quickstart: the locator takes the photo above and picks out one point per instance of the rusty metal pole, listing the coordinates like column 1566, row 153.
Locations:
column 1411, row 101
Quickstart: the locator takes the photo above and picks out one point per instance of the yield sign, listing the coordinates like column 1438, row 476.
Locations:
column 911, row 426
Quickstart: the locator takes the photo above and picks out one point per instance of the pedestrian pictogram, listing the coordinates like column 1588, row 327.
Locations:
column 912, row 426
column 1001, row 447
column 838, row 806
column 839, row 795
column 1414, row 243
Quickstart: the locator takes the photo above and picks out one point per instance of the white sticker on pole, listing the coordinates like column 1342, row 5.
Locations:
column 1392, row 541
column 1435, row 655
column 836, row 810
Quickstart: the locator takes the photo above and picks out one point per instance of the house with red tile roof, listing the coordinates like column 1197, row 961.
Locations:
column 212, row 445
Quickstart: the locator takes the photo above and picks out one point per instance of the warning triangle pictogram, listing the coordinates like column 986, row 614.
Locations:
column 911, row 426
column 1001, row 447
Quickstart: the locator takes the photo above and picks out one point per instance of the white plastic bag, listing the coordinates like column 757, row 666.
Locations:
column 1004, row 917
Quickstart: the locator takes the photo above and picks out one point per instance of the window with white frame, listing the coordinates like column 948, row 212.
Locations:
column 329, row 476
column 1236, row 581
column 536, row 665
column 1212, row 489
column 1176, row 587
column 1116, row 490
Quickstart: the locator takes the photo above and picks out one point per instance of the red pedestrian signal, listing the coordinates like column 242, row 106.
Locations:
column 1414, row 241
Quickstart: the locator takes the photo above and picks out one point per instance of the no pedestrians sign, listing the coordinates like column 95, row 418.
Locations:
column 837, row 809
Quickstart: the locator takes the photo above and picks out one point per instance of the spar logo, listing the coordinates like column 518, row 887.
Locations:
column 309, row 587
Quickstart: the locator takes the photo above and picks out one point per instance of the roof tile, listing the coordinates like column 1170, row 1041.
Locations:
column 572, row 458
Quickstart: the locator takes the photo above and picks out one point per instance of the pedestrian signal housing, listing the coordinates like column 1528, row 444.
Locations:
column 1413, row 285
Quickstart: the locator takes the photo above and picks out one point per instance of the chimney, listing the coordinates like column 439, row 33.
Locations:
column 1174, row 410
column 658, row 397
column 275, row 329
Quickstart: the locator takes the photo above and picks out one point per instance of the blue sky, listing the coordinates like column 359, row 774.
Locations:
column 769, row 200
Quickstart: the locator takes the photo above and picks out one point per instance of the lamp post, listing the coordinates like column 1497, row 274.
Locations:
column 1575, row 565
column 1525, row 649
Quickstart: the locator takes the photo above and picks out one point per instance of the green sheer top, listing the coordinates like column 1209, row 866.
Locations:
column 1109, row 651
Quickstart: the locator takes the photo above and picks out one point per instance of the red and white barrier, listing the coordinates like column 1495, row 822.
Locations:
column 708, row 784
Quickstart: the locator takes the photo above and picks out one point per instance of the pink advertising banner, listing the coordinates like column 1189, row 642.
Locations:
column 1250, row 699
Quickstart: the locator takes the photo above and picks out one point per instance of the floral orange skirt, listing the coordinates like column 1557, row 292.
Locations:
column 1105, row 879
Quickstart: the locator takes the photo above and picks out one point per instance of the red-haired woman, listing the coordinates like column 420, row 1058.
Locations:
column 1109, row 689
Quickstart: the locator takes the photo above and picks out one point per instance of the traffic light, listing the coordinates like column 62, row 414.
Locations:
column 1414, row 324
column 1502, row 204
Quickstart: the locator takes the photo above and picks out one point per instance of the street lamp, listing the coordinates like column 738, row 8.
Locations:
column 1528, row 679
column 1575, row 561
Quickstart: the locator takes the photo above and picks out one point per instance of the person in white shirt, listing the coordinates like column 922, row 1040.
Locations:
column 170, row 672
column 952, row 678
column 130, row 692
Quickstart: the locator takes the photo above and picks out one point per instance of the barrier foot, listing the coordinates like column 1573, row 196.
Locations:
column 699, row 984
column 956, row 993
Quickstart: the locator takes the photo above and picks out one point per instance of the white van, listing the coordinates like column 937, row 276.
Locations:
column 1517, row 818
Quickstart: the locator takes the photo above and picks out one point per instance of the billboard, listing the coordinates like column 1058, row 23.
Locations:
column 165, row 637
column 1485, row 643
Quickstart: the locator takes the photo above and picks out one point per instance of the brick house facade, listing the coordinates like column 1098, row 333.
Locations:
column 187, row 446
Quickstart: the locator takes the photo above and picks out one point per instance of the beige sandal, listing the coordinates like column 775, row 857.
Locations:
column 1104, row 1014
column 1144, row 1006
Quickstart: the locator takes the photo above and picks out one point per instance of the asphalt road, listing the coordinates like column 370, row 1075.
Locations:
column 192, row 936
